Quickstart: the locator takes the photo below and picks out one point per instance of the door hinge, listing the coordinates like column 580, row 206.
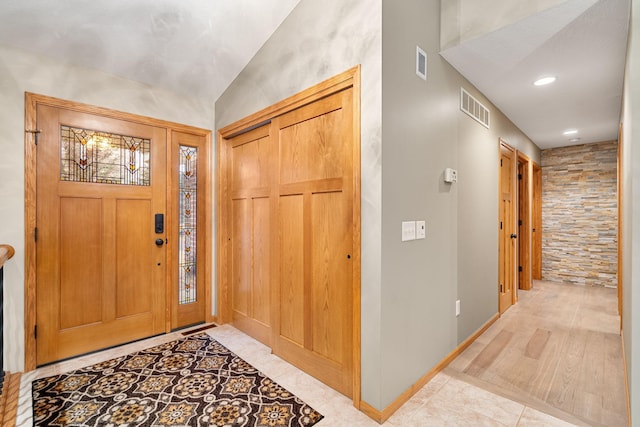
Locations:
column 519, row 222
column 35, row 133
column 500, row 162
column 501, row 288
column 520, row 268
column 35, row 234
column 500, row 225
column 519, row 176
column 35, row 331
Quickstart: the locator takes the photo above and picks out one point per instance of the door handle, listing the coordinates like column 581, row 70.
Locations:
column 513, row 236
column 159, row 242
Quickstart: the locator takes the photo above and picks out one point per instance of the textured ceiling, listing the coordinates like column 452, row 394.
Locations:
column 197, row 48
column 582, row 42
column 193, row 47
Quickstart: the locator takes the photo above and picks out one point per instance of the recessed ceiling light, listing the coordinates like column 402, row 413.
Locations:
column 544, row 81
column 570, row 132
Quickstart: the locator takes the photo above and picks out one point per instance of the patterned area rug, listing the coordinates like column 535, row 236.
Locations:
column 194, row 381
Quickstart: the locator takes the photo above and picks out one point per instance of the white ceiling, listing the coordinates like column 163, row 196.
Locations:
column 197, row 48
column 582, row 43
column 192, row 47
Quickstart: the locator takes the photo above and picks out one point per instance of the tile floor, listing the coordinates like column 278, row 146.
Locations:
column 444, row 401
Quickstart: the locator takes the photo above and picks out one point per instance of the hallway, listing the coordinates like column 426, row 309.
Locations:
column 558, row 350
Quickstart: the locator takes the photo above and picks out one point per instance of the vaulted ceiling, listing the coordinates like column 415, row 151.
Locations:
column 192, row 47
column 197, row 48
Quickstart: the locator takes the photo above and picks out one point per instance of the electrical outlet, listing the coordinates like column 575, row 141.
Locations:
column 457, row 308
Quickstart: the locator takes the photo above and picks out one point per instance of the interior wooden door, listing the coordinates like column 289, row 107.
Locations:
column 251, row 211
column 100, row 264
column 507, row 228
column 536, row 226
column 524, row 224
column 189, row 154
column 314, row 322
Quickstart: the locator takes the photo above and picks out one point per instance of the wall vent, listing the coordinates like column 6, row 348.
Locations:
column 474, row 108
column 421, row 63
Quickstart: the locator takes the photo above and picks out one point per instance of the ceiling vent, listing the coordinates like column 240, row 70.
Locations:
column 474, row 108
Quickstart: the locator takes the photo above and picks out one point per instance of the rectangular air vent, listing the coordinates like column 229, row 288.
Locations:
column 474, row 108
column 421, row 63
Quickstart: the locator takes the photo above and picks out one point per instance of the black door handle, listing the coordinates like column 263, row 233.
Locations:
column 159, row 242
column 513, row 236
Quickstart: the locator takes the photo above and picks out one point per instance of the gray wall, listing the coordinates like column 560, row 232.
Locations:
column 424, row 132
column 631, row 214
column 319, row 40
column 20, row 72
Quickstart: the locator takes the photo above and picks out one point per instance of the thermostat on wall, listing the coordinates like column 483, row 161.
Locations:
column 450, row 175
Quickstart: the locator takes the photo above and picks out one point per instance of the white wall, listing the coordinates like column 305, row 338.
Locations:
column 19, row 73
column 631, row 214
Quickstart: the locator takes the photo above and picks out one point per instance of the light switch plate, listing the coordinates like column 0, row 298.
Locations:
column 408, row 230
column 421, row 229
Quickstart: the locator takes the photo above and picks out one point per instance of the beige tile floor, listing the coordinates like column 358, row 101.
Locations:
column 444, row 401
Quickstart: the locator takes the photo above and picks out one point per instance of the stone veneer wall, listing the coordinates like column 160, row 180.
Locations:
column 580, row 214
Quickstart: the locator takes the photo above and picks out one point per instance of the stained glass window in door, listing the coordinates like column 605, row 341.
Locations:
column 102, row 157
column 187, row 228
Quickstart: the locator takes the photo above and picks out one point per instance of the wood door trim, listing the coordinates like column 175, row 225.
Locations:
column 345, row 80
column 32, row 100
column 620, row 222
column 330, row 86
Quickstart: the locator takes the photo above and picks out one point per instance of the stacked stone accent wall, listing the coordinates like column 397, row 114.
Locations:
column 580, row 214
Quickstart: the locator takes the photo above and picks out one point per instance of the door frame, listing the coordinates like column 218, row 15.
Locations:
column 345, row 80
column 30, row 170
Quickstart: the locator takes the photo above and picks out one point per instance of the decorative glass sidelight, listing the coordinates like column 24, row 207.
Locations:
column 188, row 158
column 103, row 158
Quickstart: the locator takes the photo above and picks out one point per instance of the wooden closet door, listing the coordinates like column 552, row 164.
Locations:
column 250, row 215
column 314, row 303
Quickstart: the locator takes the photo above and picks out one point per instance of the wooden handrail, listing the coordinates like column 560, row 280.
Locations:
column 6, row 252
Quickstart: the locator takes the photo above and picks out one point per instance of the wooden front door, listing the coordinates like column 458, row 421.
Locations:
column 100, row 262
column 314, row 325
column 507, row 228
